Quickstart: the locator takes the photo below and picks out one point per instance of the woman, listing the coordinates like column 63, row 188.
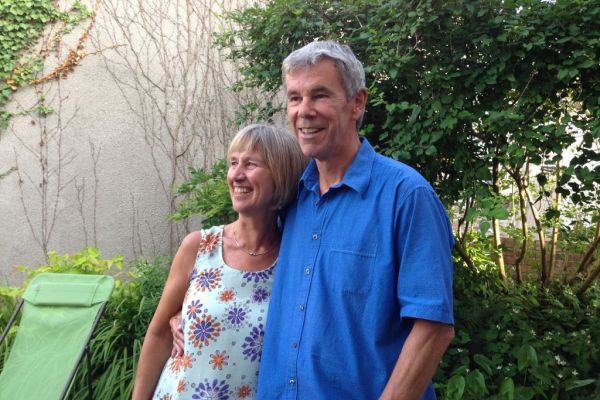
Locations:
column 220, row 281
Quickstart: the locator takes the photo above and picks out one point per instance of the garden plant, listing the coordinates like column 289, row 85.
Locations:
column 497, row 104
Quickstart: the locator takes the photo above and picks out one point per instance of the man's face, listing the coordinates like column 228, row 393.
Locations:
column 322, row 117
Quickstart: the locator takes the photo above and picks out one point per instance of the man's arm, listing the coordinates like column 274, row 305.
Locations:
column 418, row 360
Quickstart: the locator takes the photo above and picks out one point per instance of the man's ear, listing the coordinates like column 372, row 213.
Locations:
column 360, row 102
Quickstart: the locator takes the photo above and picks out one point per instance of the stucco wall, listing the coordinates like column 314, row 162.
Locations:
column 98, row 171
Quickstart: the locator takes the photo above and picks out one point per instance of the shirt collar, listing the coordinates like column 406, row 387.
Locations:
column 357, row 176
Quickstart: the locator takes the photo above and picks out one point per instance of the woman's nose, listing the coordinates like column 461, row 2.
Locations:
column 238, row 173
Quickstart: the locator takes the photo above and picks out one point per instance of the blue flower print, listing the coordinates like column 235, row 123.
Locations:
column 253, row 343
column 259, row 276
column 204, row 330
column 209, row 279
column 260, row 295
column 237, row 316
column 211, row 391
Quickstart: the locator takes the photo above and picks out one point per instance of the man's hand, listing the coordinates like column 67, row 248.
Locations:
column 177, row 331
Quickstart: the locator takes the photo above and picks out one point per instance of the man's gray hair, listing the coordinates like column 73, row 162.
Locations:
column 350, row 68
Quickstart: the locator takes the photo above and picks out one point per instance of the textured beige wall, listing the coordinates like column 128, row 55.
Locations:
column 98, row 171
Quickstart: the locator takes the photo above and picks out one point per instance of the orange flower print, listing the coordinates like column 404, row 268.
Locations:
column 194, row 309
column 208, row 243
column 180, row 363
column 218, row 360
column 243, row 392
column 209, row 279
column 204, row 330
column 226, row 295
column 181, row 385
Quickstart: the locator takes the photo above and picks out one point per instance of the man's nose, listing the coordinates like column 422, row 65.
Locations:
column 305, row 108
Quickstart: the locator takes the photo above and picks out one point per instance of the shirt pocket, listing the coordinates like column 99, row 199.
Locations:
column 350, row 267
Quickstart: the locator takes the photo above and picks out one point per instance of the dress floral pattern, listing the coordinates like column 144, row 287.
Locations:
column 223, row 314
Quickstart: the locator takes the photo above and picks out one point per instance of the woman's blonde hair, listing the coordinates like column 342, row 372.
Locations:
column 281, row 152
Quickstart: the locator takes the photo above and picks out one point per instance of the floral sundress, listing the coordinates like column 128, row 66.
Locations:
column 223, row 313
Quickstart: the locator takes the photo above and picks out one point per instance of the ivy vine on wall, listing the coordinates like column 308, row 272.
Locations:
column 22, row 23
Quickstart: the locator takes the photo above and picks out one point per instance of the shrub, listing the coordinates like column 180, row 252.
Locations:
column 207, row 194
column 522, row 342
column 118, row 337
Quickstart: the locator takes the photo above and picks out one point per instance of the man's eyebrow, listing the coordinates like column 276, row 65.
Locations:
column 321, row 88
column 316, row 89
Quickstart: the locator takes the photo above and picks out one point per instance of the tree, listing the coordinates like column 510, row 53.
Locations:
column 465, row 92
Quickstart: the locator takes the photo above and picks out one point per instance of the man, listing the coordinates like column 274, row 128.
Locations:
column 361, row 307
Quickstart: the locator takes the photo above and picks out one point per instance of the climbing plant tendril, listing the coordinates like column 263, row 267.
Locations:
column 22, row 23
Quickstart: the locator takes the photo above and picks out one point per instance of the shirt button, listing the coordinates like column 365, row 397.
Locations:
column 295, row 345
column 315, row 236
column 292, row 381
column 301, row 307
column 307, row 271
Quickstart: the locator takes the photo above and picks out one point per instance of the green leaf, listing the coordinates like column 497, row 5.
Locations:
column 507, row 389
column 524, row 393
column 491, row 334
column 448, row 122
column 526, row 357
column 484, row 226
column 455, row 388
column 579, row 384
column 500, row 213
column 483, row 362
column 477, row 382
column 562, row 73
column 430, row 150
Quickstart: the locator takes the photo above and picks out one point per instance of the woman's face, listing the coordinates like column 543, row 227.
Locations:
column 250, row 181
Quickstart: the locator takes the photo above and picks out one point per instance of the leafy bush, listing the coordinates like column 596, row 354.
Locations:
column 87, row 261
column 519, row 342
column 522, row 342
column 118, row 337
column 206, row 194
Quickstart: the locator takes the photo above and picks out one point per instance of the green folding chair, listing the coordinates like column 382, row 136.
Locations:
column 60, row 313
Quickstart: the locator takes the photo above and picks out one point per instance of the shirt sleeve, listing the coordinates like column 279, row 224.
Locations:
column 424, row 243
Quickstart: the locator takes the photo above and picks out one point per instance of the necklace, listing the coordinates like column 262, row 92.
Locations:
column 252, row 253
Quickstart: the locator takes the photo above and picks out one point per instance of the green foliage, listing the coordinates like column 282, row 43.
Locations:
column 454, row 85
column 87, row 261
column 522, row 343
column 469, row 93
column 515, row 343
column 206, row 194
column 118, row 337
column 21, row 25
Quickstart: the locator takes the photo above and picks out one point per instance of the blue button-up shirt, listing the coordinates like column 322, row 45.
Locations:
column 356, row 265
